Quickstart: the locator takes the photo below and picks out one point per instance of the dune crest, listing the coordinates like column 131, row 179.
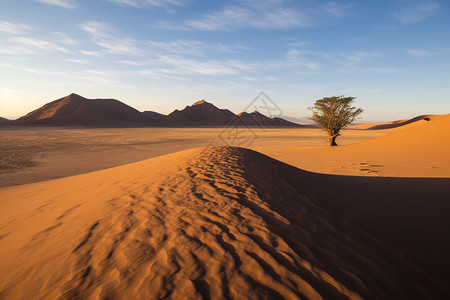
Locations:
column 400, row 124
column 425, row 142
column 217, row 222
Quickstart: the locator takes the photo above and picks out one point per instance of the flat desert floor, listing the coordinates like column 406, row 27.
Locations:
column 185, row 214
column 31, row 155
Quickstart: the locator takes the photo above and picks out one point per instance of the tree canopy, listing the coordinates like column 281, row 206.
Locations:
column 333, row 114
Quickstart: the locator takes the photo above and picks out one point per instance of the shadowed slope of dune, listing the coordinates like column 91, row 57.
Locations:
column 220, row 223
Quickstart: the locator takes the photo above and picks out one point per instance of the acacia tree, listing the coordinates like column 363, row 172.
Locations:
column 333, row 114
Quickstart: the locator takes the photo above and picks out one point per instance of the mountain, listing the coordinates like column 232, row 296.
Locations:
column 3, row 119
column 301, row 120
column 205, row 113
column 200, row 113
column 153, row 115
column 256, row 118
column 74, row 110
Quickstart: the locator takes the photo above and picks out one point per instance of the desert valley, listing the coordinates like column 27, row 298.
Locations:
column 101, row 201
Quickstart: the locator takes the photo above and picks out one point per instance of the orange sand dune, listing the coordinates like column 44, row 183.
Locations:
column 429, row 141
column 421, row 151
column 224, row 223
column 403, row 124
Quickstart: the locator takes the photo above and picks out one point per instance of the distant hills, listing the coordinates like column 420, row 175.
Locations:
column 155, row 116
column 200, row 113
column 3, row 119
column 75, row 110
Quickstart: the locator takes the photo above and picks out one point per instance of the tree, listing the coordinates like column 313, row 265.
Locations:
column 333, row 114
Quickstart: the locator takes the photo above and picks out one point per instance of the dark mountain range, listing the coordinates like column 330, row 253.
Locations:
column 200, row 113
column 75, row 110
column 153, row 115
column 255, row 118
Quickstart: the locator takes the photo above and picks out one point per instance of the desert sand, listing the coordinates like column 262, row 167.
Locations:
column 399, row 124
column 417, row 151
column 232, row 223
column 222, row 223
column 30, row 154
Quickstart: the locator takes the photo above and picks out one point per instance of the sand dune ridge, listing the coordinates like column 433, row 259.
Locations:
column 216, row 222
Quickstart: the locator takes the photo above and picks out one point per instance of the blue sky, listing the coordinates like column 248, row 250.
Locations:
column 393, row 55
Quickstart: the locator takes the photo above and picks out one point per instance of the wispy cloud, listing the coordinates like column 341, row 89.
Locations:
column 121, row 46
column 70, row 4
column 194, row 47
column 266, row 15
column 97, row 29
column 31, row 70
column 180, row 46
column 38, row 44
column 381, row 70
column 149, row 3
column 335, row 9
column 14, row 50
column 353, row 61
column 361, row 56
column 90, row 53
column 106, row 37
column 417, row 11
column 192, row 66
column 78, row 61
column 419, row 52
column 12, row 28
column 64, row 38
column 25, row 40
column 295, row 58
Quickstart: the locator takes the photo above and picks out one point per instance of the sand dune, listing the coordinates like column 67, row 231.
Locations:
column 420, row 151
column 419, row 120
column 428, row 141
column 27, row 157
column 223, row 223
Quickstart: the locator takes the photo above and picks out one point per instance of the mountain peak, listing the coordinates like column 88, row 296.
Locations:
column 75, row 95
column 72, row 97
column 199, row 102
column 255, row 112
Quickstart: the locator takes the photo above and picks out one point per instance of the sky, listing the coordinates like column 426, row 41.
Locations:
column 161, row 55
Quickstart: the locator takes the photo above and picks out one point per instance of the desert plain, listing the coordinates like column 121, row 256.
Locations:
column 223, row 213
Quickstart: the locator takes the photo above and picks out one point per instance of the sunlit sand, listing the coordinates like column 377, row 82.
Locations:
column 178, row 214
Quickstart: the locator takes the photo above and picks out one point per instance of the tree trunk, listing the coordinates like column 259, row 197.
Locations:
column 332, row 140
